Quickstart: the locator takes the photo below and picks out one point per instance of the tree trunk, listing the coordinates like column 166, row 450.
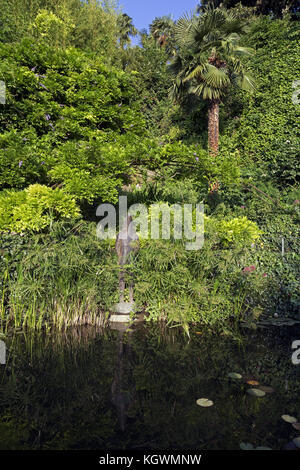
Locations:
column 213, row 126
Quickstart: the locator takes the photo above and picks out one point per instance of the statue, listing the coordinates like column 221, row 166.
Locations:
column 126, row 245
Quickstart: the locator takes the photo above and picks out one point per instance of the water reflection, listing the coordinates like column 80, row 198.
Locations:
column 121, row 396
column 106, row 389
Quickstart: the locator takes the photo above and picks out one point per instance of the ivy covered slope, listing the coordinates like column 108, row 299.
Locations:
column 267, row 132
column 69, row 120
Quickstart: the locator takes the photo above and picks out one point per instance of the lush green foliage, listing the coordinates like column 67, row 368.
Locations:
column 64, row 277
column 152, row 83
column 68, row 119
column 277, row 8
column 87, row 117
column 71, row 273
column 239, row 230
column 91, row 25
column 267, row 132
column 34, row 208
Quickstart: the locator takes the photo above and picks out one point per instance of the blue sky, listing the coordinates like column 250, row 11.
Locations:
column 144, row 11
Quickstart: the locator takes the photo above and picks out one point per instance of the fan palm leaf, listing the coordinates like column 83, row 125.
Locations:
column 209, row 58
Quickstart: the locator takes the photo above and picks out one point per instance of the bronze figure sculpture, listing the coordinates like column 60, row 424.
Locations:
column 126, row 245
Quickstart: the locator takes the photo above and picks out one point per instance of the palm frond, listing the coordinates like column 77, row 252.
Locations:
column 196, row 72
column 182, row 30
column 175, row 66
column 178, row 90
column 247, row 83
column 207, row 92
column 216, row 78
column 242, row 51
column 209, row 54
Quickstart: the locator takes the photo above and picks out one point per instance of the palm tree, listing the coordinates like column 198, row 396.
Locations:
column 162, row 30
column 208, row 62
column 126, row 29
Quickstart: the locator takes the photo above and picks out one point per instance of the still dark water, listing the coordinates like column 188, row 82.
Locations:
column 88, row 389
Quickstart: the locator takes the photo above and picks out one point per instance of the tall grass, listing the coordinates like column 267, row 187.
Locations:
column 63, row 278
column 68, row 277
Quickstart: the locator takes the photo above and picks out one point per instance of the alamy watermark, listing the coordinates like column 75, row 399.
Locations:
column 296, row 94
column 2, row 352
column 158, row 221
column 2, row 92
column 296, row 354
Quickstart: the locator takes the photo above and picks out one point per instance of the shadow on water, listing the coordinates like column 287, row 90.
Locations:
column 109, row 389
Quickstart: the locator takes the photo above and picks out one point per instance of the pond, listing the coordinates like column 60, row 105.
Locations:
column 110, row 389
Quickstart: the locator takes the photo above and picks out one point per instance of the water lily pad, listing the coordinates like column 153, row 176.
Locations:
column 248, row 378
column 252, row 382
column 296, row 426
column 255, row 392
column 289, row 419
column 234, row 375
column 296, row 441
column 246, row 446
column 204, row 402
column 266, row 389
column 263, row 448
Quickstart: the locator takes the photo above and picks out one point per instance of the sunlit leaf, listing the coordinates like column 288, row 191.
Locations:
column 289, row 419
column 234, row 375
column 204, row 402
column 252, row 382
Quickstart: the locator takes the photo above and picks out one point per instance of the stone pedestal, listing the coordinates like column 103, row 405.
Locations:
column 124, row 308
column 122, row 312
column 119, row 318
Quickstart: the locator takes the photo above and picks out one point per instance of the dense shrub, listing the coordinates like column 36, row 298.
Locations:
column 34, row 208
column 68, row 118
column 237, row 231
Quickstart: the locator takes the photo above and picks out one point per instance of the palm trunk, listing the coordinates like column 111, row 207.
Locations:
column 213, row 126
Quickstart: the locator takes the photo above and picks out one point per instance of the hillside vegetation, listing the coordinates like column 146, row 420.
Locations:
column 88, row 116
